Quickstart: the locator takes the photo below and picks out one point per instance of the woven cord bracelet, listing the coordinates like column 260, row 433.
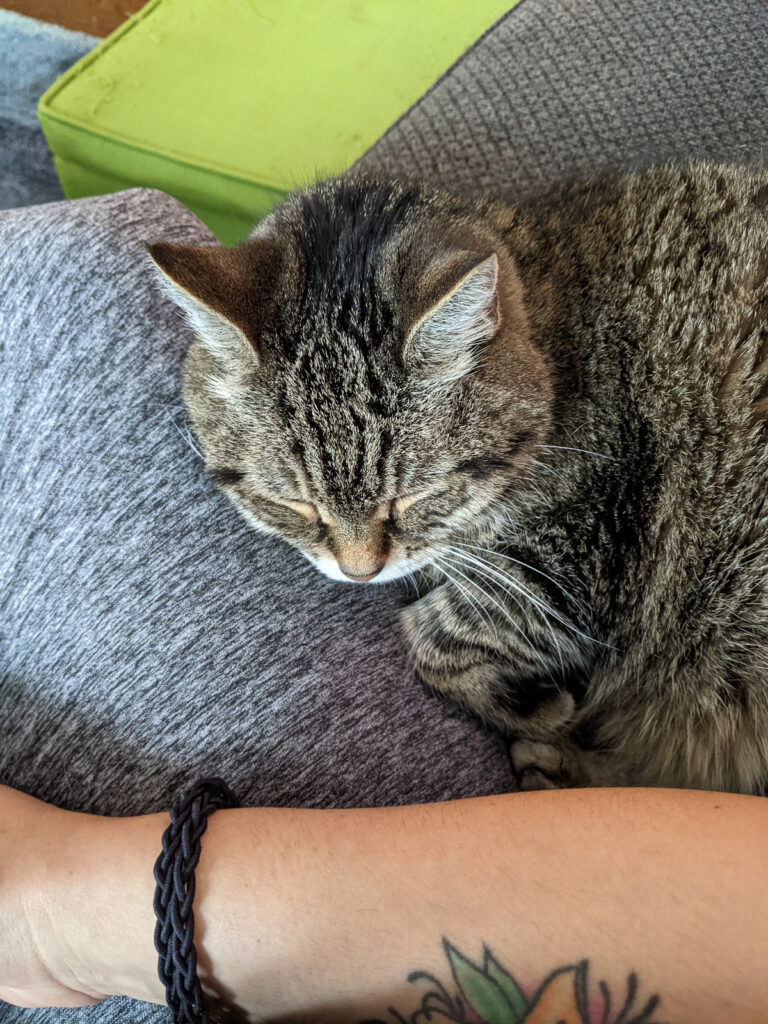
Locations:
column 175, row 895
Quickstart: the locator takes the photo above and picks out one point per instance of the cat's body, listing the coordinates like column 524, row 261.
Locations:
column 561, row 408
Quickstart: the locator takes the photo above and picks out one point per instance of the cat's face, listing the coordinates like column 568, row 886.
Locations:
column 363, row 385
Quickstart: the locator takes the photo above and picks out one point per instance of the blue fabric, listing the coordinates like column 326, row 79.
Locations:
column 32, row 56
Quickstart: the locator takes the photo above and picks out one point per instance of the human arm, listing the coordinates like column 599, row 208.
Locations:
column 321, row 915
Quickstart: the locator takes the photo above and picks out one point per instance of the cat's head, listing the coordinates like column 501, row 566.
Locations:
column 363, row 384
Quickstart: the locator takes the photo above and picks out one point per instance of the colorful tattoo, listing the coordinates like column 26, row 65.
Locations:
column 490, row 995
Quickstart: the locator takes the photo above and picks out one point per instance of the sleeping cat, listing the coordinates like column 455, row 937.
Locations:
column 554, row 414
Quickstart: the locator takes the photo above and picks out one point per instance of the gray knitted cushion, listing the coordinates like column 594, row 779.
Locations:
column 559, row 88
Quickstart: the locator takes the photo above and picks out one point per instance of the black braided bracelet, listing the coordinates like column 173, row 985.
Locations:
column 175, row 895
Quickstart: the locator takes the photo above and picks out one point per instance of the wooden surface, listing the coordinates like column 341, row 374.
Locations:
column 96, row 17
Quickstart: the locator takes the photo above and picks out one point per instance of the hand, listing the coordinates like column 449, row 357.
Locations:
column 33, row 925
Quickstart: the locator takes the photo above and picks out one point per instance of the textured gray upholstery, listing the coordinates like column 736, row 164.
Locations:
column 149, row 636
column 562, row 88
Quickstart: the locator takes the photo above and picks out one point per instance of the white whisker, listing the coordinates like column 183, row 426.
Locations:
column 540, row 606
column 409, row 580
column 461, row 589
column 584, row 451
column 505, row 612
column 524, row 565
column 186, row 437
column 542, row 465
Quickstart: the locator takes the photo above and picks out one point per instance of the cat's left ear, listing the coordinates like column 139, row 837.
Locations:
column 461, row 317
column 224, row 292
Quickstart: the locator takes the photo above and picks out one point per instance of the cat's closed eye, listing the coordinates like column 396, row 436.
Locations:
column 304, row 508
column 391, row 509
column 398, row 506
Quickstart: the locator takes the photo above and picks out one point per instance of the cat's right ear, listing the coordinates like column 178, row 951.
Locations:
column 223, row 292
column 460, row 315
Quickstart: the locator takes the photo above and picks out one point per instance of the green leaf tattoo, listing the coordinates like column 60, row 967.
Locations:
column 491, row 995
column 483, row 994
column 506, row 983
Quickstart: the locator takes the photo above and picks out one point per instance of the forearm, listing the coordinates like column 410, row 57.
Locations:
column 323, row 914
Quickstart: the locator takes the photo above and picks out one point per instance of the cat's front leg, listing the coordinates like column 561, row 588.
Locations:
column 456, row 663
column 488, row 665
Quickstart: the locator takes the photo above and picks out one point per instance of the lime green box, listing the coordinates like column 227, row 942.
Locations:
column 228, row 104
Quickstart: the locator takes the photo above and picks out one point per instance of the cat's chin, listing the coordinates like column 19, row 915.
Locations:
column 393, row 570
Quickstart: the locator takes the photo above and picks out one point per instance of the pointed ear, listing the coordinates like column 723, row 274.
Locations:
column 225, row 293
column 461, row 317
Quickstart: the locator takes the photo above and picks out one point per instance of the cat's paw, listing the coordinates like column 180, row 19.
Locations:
column 543, row 765
column 532, row 780
column 560, row 764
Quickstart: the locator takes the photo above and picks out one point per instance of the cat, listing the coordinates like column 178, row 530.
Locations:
column 555, row 414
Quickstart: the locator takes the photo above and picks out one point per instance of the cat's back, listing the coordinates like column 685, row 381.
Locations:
column 661, row 318
column 692, row 264
column 661, row 279
column 670, row 240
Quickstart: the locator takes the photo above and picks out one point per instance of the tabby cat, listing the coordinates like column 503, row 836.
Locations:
column 554, row 414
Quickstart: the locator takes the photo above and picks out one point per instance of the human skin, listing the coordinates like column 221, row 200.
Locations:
column 320, row 915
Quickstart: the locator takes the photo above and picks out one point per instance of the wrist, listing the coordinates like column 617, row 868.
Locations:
column 95, row 915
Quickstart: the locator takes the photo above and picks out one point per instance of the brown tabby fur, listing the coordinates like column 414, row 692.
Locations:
column 586, row 505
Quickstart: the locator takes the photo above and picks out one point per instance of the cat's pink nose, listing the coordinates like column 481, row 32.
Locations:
column 362, row 579
column 360, row 561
